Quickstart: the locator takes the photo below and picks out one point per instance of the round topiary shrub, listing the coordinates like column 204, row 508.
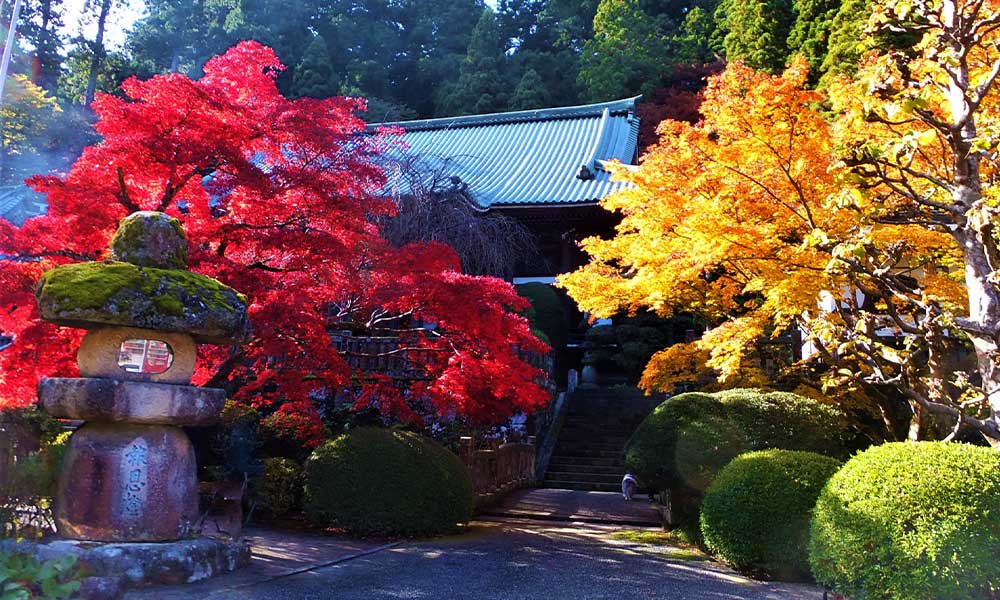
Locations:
column 756, row 514
column 911, row 521
column 279, row 489
column 384, row 482
column 686, row 440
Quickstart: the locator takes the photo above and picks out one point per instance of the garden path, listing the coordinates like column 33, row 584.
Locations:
column 577, row 506
column 504, row 558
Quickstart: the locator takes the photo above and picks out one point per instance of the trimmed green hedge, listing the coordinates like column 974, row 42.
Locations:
column 384, row 482
column 756, row 514
column 279, row 490
column 690, row 437
column 911, row 521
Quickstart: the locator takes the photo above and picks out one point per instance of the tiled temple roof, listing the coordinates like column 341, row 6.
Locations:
column 552, row 156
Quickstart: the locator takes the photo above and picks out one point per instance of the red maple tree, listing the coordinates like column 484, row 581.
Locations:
column 279, row 200
column 678, row 100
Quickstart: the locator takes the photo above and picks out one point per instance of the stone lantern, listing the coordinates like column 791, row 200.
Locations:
column 129, row 474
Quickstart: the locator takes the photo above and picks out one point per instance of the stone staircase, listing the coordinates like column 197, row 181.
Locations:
column 589, row 453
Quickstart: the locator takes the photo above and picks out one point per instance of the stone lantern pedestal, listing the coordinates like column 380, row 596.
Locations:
column 129, row 476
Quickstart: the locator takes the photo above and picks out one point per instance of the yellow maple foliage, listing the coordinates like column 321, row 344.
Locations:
column 749, row 221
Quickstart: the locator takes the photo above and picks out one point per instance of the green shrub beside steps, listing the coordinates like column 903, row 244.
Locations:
column 279, row 490
column 688, row 438
column 756, row 514
column 911, row 521
column 384, row 482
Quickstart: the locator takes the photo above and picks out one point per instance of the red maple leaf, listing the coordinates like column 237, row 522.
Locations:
column 278, row 198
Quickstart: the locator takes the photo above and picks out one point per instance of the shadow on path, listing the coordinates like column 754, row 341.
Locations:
column 509, row 559
column 578, row 506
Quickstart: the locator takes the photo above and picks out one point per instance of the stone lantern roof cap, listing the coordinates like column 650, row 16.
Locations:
column 144, row 285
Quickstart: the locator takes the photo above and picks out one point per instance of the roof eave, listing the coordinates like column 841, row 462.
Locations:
column 616, row 107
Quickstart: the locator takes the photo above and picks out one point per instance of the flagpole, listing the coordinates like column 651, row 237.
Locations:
column 8, row 47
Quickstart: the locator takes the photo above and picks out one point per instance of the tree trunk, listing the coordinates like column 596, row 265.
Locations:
column 974, row 231
column 984, row 314
column 44, row 78
column 3, row 156
column 98, row 52
column 920, row 424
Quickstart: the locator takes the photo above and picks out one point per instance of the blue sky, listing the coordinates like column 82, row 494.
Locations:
column 119, row 23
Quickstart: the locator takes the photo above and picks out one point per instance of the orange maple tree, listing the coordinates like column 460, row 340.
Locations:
column 742, row 220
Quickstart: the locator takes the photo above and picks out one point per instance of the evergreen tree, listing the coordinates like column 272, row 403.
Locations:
column 558, row 71
column 570, row 21
column 100, row 10
column 78, row 80
column 519, row 21
column 538, row 33
column 383, row 111
column 756, row 31
column 690, row 45
column 482, row 86
column 314, row 76
column 845, row 40
column 437, row 35
column 810, row 35
column 396, row 53
column 179, row 35
column 670, row 14
column 626, row 54
column 849, row 40
column 531, row 92
column 39, row 25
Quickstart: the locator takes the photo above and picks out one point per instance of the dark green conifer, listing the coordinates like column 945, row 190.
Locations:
column 314, row 76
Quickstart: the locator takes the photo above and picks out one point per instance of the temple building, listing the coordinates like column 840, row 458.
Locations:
column 18, row 203
column 547, row 168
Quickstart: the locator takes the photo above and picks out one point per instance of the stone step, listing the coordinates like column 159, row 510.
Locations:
column 618, row 470
column 590, row 445
column 594, row 399
column 590, row 477
column 561, row 466
column 593, row 441
column 597, row 423
column 595, row 431
column 582, row 485
column 586, row 460
column 593, row 436
column 588, row 453
column 622, row 412
column 588, row 449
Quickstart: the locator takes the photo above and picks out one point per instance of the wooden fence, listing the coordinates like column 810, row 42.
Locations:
column 382, row 356
column 498, row 468
column 389, row 356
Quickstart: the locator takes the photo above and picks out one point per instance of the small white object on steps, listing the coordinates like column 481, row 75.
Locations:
column 629, row 486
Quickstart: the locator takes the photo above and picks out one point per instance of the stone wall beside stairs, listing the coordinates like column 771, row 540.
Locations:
column 590, row 450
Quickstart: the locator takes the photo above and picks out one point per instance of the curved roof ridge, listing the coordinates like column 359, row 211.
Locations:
column 626, row 105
